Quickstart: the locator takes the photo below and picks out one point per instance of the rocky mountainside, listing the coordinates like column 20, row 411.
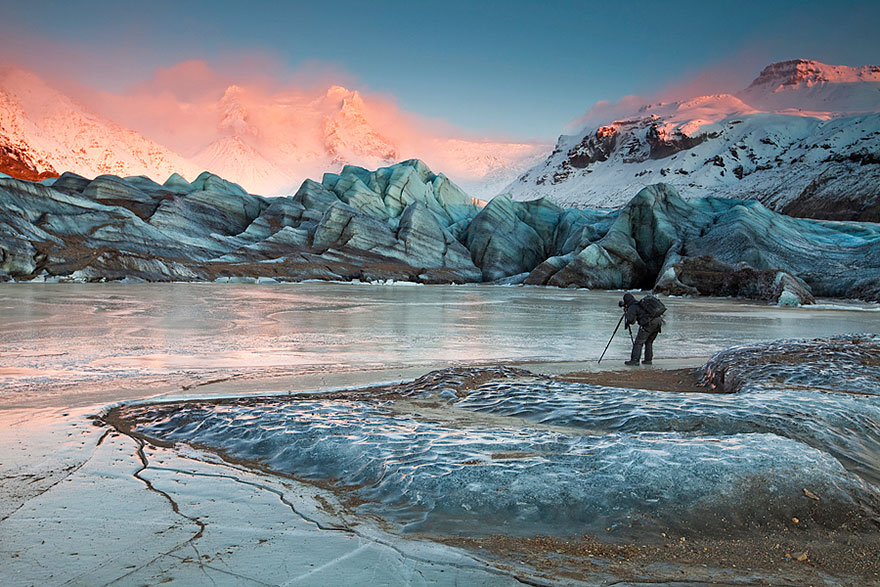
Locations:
column 405, row 222
column 803, row 139
column 268, row 145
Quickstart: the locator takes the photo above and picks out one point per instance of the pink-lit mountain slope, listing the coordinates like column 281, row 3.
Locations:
column 44, row 133
column 267, row 145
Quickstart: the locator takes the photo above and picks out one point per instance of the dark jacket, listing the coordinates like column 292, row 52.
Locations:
column 636, row 314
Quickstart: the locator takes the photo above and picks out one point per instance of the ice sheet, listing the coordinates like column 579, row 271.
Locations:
column 79, row 335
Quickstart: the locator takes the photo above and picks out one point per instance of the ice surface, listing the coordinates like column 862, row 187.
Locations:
column 82, row 334
column 565, row 458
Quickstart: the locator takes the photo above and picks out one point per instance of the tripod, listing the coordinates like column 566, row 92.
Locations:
column 619, row 322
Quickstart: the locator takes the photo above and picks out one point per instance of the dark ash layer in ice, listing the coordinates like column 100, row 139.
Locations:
column 470, row 451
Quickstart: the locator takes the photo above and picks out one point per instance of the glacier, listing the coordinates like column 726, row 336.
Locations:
column 406, row 223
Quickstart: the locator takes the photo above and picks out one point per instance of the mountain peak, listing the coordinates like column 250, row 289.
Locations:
column 338, row 93
column 807, row 73
column 235, row 119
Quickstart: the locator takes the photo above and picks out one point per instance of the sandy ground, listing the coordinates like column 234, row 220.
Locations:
column 82, row 504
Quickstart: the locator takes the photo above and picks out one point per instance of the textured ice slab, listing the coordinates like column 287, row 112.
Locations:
column 845, row 363
column 469, row 451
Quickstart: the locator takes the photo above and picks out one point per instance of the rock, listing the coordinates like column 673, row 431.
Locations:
column 175, row 183
column 457, row 205
column 651, row 238
column 314, row 196
column 388, row 191
column 281, row 213
column 209, row 182
column 143, row 183
column 343, row 226
column 632, row 252
column 519, row 279
column 845, row 190
column 354, row 192
column 791, row 291
column 427, row 244
column 707, row 275
column 541, row 274
column 17, row 256
column 578, row 228
column 202, row 213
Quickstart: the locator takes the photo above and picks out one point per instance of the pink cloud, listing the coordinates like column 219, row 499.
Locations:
column 256, row 122
column 605, row 112
column 726, row 76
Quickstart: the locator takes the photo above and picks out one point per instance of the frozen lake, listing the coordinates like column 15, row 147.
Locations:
column 465, row 454
column 83, row 335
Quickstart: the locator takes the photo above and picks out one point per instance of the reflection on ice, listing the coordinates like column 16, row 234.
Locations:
column 449, row 453
column 77, row 336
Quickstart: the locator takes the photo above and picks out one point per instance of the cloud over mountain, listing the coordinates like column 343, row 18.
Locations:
column 266, row 134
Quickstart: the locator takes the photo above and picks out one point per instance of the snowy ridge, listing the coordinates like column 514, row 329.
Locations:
column 268, row 145
column 796, row 127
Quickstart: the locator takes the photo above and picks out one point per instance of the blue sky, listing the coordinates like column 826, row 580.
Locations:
column 515, row 68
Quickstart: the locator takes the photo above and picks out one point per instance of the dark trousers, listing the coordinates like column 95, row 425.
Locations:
column 645, row 338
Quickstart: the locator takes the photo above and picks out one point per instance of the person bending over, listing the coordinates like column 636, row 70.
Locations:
column 648, row 313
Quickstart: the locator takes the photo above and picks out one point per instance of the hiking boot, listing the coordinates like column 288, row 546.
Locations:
column 632, row 363
column 647, row 363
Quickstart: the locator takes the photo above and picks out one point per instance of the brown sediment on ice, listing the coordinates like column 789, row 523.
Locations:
column 678, row 380
column 784, row 558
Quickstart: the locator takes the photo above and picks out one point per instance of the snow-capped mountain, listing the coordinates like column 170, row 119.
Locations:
column 803, row 138
column 270, row 147
column 268, row 144
column 350, row 137
column 44, row 132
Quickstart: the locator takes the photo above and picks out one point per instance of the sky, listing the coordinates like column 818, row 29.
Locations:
column 512, row 69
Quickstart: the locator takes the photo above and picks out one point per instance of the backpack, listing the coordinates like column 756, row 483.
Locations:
column 653, row 307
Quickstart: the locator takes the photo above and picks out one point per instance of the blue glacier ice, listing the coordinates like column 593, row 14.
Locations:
column 500, row 450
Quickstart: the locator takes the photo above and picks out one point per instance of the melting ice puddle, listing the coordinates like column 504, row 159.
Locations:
column 450, row 453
